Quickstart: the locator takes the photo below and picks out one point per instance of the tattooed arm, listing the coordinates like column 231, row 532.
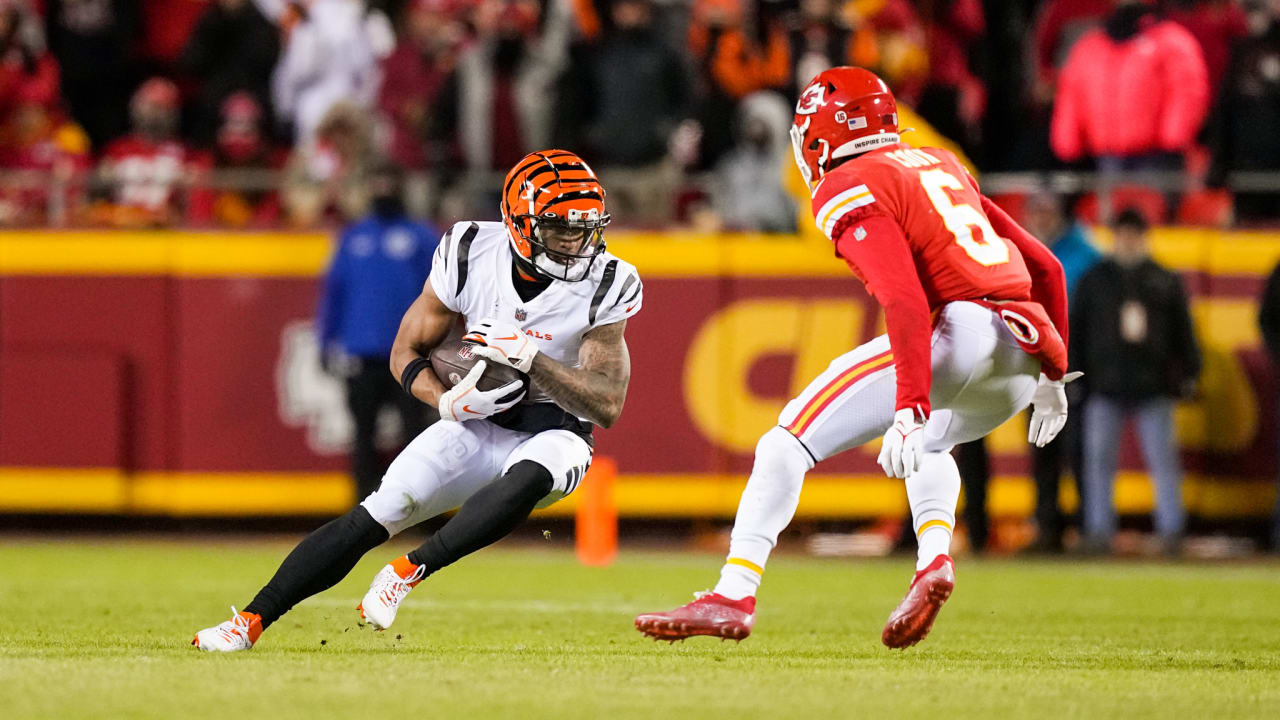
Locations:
column 596, row 388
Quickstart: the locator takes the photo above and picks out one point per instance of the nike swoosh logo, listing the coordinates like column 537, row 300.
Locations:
column 513, row 337
column 628, row 308
column 467, row 408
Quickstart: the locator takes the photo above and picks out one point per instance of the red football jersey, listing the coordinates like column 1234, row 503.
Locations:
column 934, row 199
column 914, row 228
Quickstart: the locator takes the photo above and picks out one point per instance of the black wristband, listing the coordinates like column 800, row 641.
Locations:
column 415, row 366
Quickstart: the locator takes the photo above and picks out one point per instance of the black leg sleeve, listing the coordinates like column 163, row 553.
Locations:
column 318, row 562
column 486, row 517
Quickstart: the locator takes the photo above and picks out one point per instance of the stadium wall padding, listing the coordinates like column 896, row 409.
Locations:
column 176, row 373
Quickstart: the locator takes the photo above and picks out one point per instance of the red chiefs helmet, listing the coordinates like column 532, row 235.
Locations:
column 844, row 111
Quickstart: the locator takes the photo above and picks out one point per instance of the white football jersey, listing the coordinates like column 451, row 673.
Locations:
column 471, row 274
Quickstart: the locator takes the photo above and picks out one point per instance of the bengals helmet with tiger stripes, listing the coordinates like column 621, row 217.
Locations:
column 553, row 207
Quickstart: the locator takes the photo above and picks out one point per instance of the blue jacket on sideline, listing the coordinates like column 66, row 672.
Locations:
column 378, row 270
column 1076, row 253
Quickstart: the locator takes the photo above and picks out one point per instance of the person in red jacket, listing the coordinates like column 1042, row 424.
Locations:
column 148, row 169
column 976, row 312
column 1132, row 94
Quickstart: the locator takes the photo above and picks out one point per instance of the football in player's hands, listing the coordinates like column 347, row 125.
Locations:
column 453, row 359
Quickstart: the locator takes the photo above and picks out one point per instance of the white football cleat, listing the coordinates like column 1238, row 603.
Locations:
column 238, row 633
column 386, row 592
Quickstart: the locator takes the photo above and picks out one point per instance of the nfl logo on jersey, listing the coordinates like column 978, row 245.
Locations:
column 521, row 314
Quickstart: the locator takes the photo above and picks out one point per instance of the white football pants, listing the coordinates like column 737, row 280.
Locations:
column 450, row 461
column 981, row 378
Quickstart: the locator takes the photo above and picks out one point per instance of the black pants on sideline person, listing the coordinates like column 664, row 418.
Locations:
column 370, row 389
column 975, row 474
column 1047, row 466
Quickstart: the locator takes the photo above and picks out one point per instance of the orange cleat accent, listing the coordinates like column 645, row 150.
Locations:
column 911, row 621
column 238, row 633
column 406, row 569
column 710, row 614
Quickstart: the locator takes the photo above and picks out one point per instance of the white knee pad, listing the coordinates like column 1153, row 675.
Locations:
column 393, row 506
column 780, row 454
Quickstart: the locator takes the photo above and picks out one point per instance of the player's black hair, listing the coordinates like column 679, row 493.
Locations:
column 1130, row 218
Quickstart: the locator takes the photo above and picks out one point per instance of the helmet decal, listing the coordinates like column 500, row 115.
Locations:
column 843, row 111
column 813, row 97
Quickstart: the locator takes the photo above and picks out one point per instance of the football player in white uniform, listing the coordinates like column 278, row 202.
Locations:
column 539, row 293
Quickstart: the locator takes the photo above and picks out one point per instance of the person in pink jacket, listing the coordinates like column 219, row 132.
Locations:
column 1133, row 93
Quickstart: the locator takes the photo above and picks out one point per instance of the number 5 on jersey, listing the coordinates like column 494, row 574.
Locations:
column 962, row 218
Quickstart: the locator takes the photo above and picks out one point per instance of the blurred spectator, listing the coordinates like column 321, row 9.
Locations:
column 1216, row 25
column 38, row 140
column 749, row 193
column 496, row 105
column 233, row 48
column 1133, row 94
column 146, row 170
column 166, row 25
column 1243, row 134
column 325, row 178
column 901, row 43
column 737, row 54
column 954, row 100
column 1059, row 24
column 243, row 156
column 822, row 37
column 1269, row 322
column 414, row 75
column 331, row 54
column 378, row 270
column 95, row 42
column 1069, row 241
column 28, row 73
column 1131, row 335
column 624, row 97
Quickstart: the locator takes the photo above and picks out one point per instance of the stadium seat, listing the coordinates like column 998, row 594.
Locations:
column 1150, row 202
column 1211, row 208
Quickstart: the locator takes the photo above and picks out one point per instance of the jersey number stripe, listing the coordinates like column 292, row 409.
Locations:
column 962, row 218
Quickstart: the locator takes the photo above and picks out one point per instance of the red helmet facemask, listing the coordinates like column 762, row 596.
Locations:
column 844, row 111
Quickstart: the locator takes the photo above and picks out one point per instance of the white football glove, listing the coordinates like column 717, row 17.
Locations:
column 502, row 342
column 465, row 401
column 1049, row 409
column 903, row 445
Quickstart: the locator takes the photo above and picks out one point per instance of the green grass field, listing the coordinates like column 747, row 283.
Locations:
column 100, row 629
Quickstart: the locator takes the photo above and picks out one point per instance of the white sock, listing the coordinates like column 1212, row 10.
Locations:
column 768, row 503
column 933, row 491
column 933, row 542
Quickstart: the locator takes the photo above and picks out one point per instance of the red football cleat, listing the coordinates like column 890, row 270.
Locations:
column 710, row 614
column 910, row 622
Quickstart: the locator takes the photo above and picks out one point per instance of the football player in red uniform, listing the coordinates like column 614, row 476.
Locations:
column 976, row 313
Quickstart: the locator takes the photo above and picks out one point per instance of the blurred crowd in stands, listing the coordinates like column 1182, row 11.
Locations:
column 255, row 113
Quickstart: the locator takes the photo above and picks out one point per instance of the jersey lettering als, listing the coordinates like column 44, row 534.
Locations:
column 936, row 202
column 471, row 274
